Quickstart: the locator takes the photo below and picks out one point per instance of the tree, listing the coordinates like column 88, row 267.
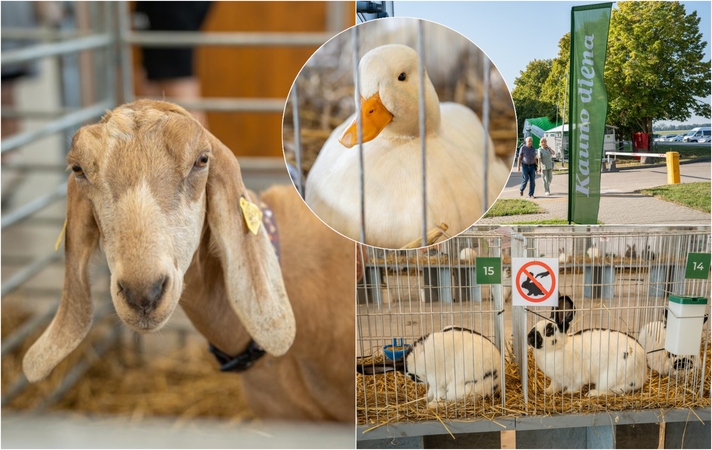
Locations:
column 529, row 82
column 527, row 92
column 654, row 69
column 555, row 89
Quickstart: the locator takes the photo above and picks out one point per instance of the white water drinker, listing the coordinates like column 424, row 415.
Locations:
column 685, row 321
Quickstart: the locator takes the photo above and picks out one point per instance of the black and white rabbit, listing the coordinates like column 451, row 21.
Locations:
column 611, row 360
column 455, row 363
column 652, row 338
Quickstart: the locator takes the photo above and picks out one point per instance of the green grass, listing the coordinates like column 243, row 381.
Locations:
column 692, row 195
column 513, row 207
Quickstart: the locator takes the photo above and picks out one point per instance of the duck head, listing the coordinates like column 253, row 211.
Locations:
column 389, row 96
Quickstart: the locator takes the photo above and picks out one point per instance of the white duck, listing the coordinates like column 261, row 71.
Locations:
column 392, row 159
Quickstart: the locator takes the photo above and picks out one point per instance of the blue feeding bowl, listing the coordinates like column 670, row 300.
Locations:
column 397, row 350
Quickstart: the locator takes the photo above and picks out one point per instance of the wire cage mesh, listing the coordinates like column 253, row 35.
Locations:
column 430, row 299
column 619, row 281
column 322, row 98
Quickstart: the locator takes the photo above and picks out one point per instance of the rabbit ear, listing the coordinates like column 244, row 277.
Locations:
column 73, row 319
column 378, row 368
column 564, row 313
column 253, row 279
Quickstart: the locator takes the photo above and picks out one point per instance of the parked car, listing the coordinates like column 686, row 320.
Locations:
column 677, row 138
column 698, row 133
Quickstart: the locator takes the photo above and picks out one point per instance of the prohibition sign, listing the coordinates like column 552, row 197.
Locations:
column 533, row 278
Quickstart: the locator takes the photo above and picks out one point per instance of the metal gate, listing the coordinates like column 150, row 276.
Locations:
column 617, row 279
column 105, row 39
column 429, row 299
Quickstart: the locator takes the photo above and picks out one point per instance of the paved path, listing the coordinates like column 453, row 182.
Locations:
column 620, row 204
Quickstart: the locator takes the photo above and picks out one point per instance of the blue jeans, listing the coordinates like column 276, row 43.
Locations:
column 528, row 173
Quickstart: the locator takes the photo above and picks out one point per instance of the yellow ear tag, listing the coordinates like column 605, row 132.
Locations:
column 61, row 236
column 252, row 214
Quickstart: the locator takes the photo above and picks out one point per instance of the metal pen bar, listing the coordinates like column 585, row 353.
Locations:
column 297, row 140
column 31, row 167
column 79, row 369
column 421, row 123
column 18, row 336
column 156, row 39
column 41, row 34
column 359, row 132
column 28, row 272
column 264, row 105
column 21, row 382
column 112, row 58
column 485, row 126
column 56, row 48
column 14, row 390
column 126, row 56
column 32, row 207
column 16, row 113
column 61, row 124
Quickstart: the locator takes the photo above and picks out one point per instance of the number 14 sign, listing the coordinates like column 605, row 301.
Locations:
column 698, row 265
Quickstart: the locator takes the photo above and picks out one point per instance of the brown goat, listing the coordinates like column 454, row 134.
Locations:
column 161, row 195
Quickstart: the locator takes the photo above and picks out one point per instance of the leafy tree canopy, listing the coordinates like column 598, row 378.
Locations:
column 654, row 68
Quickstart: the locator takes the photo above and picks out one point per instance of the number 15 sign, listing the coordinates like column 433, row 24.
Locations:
column 535, row 282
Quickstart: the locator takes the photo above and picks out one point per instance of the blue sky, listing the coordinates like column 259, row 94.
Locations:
column 514, row 33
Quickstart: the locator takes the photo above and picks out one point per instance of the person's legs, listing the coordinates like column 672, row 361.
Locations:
column 532, row 176
column 546, row 178
column 525, row 178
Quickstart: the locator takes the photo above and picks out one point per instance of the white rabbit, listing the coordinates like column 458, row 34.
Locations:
column 468, row 254
column 593, row 252
column 652, row 338
column 455, row 362
column 611, row 360
column 507, row 284
column 563, row 257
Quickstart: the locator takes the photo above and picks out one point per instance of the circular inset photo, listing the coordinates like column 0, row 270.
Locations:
column 368, row 170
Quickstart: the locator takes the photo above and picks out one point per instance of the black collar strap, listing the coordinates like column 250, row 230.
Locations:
column 247, row 359
column 241, row 362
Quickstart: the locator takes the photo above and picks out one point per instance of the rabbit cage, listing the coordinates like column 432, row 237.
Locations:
column 619, row 282
column 429, row 299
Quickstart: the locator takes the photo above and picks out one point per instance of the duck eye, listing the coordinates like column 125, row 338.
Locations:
column 401, row 77
column 78, row 171
column 202, row 160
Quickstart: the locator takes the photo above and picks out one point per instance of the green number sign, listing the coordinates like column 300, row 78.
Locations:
column 489, row 270
column 698, row 265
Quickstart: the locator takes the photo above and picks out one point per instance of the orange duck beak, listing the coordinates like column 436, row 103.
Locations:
column 374, row 118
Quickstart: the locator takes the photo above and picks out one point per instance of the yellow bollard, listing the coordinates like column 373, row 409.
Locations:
column 673, row 167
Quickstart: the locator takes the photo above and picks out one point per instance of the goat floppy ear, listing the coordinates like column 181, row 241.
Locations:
column 73, row 319
column 253, row 279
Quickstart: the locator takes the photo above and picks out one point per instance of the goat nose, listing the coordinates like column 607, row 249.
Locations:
column 145, row 297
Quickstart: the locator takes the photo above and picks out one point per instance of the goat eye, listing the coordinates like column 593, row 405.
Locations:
column 78, row 171
column 401, row 77
column 202, row 160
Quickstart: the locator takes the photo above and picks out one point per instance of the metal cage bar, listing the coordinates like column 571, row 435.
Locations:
column 411, row 295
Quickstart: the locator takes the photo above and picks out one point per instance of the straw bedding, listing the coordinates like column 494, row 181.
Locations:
column 185, row 383
column 393, row 397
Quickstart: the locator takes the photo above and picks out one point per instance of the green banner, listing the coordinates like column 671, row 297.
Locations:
column 588, row 106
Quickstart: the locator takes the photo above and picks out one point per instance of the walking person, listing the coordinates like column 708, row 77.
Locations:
column 527, row 165
column 546, row 164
